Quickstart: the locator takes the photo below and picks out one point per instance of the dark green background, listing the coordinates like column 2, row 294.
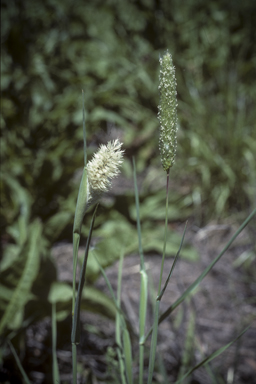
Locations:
column 52, row 50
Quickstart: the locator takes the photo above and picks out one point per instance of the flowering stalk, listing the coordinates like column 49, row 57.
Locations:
column 96, row 180
column 167, row 112
column 103, row 167
column 167, row 115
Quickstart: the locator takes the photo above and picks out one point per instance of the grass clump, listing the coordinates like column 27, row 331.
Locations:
column 41, row 144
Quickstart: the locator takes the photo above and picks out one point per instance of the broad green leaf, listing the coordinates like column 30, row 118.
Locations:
column 10, row 254
column 116, row 236
column 152, row 240
column 55, row 225
column 97, row 302
column 60, row 292
column 153, row 207
column 27, row 276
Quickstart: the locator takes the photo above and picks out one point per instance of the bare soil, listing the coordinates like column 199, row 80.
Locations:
column 222, row 306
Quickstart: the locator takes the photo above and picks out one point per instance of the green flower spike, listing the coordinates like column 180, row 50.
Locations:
column 167, row 112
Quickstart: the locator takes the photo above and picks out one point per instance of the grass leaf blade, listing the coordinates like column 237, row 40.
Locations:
column 24, row 375
column 153, row 344
column 212, row 356
column 127, row 355
column 173, row 265
column 75, row 336
column 206, row 271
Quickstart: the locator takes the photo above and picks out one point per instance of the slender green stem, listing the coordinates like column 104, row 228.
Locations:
column 143, row 283
column 173, row 265
column 24, row 375
column 74, row 363
column 165, row 231
column 55, row 371
column 153, row 345
column 212, row 356
column 141, row 363
column 84, row 133
column 118, row 323
column 138, row 215
column 127, row 347
column 75, row 335
column 79, row 215
column 142, row 320
column 76, row 240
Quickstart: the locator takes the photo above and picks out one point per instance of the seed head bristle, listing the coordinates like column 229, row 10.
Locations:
column 103, row 167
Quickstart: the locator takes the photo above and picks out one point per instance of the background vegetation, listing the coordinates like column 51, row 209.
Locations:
column 51, row 50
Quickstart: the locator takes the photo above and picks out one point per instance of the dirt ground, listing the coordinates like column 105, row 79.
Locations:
column 220, row 308
column 216, row 312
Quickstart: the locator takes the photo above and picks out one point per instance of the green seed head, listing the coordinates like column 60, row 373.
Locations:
column 167, row 112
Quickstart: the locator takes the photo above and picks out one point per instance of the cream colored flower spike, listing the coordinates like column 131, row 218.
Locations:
column 103, row 167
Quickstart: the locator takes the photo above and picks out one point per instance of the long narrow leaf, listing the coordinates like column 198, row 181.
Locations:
column 127, row 355
column 109, row 287
column 212, row 356
column 203, row 274
column 153, row 344
column 24, row 375
column 173, row 265
column 120, row 320
column 84, row 133
column 188, row 345
column 75, row 336
column 206, row 271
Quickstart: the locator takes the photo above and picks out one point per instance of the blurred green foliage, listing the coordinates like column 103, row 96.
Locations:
column 52, row 50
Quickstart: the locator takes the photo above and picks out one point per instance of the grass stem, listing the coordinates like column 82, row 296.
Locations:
column 143, row 283
column 56, row 375
column 165, row 231
column 74, row 363
column 24, row 375
column 156, row 314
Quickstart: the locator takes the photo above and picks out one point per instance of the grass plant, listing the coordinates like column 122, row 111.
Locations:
column 96, row 179
column 98, row 168
column 167, row 143
column 41, row 151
